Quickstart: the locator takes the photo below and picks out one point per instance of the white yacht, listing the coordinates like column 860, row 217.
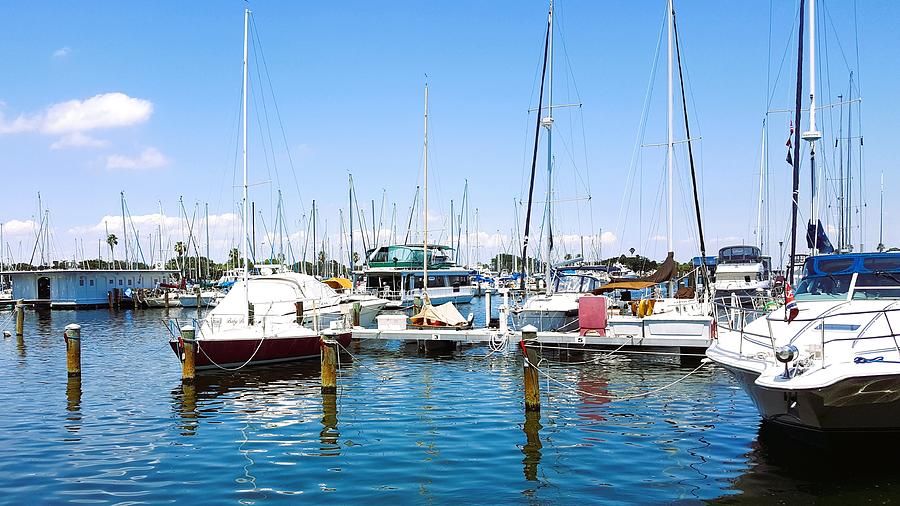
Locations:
column 557, row 309
column 743, row 271
column 828, row 360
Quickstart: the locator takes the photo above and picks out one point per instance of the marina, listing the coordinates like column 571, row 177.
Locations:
column 530, row 253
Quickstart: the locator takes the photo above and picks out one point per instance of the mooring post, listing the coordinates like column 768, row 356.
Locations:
column 73, row 350
column 357, row 309
column 532, row 383
column 329, row 365
column 189, row 344
column 20, row 319
column 487, row 308
column 298, row 309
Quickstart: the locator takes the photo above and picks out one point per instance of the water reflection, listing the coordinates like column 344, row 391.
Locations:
column 532, row 447
column 73, row 405
column 790, row 466
column 329, row 434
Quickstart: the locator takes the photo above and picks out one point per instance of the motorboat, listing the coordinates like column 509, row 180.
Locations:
column 828, row 358
column 262, row 320
column 743, row 271
column 557, row 309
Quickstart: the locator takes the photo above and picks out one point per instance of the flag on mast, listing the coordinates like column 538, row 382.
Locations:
column 790, row 146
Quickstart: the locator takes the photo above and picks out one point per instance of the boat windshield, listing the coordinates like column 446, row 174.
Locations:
column 826, row 287
column 877, row 285
column 576, row 284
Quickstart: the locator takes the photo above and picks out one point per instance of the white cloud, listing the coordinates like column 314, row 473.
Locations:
column 107, row 110
column 20, row 227
column 78, row 140
column 62, row 52
column 150, row 158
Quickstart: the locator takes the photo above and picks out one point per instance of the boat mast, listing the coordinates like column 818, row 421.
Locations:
column 244, row 154
column 795, row 160
column 762, row 186
column 351, row 227
column 547, row 122
column 669, row 134
column 537, row 133
column 881, row 218
column 424, row 210
column 162, row 258
column 812, row 135
column 850, row 169
column 124, row 229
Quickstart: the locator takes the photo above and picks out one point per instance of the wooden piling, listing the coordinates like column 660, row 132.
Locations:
column 298, row 309
column 189, row 344
column 531, row 378
column 329, row 365
column 20, row 319
column 73, row 350
column 357, row 309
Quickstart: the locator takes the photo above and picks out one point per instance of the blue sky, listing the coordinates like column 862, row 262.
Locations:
column 103, row 97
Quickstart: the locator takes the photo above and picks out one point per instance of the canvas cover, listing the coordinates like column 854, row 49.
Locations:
column 443, row 315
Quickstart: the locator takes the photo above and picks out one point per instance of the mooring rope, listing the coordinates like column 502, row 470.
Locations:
column 7, row 320
column 613, row 397
column 363, row 365
column 236, row 368
column 591, row 361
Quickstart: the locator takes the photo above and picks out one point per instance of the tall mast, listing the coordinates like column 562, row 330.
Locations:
column 547, row 123
column 162, row 258
column 795, row 160
column 424, row 209
column 841, row 183
column 881, row 219
column 762, row 179
column 124, row 229
column 207, row 239
column 315, row 253
column 812, row 135
column 850, row 168
column 351, row 223
column 245, row 199
column 670, row 145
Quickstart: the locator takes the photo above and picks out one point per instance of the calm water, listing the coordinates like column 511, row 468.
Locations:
column 405, row 427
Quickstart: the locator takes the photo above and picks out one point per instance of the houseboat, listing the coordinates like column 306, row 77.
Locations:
column 396, row 273
column 82, row 288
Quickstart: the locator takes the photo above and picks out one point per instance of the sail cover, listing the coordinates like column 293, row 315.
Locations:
column 445, row 314
column 663, row 273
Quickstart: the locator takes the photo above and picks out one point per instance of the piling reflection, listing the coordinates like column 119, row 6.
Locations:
column 189, row 417
column 20, row 346
column 328, row 436
column 532, row 447
column 73, row 405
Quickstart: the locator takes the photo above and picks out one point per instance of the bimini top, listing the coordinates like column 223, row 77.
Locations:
column 410, row 256
column 739, row 255
column 850, row 276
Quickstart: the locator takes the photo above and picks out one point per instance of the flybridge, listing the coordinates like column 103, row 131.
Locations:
column 410, row 256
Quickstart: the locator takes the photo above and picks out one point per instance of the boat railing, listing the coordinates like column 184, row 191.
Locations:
column 736, row 318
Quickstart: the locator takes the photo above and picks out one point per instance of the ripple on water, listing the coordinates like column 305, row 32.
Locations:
column 442, row 429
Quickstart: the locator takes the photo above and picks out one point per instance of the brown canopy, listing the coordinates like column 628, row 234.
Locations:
column 663, row 273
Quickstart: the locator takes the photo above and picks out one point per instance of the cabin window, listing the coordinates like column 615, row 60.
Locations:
column 436, row 281
column 834, row 265
column 121, row 282
column 155, row 281
column 882, row 264
column 91, row 282
column 81, row 282
column 112, row 282
column 129, row 282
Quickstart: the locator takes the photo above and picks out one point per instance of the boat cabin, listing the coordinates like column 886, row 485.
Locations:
column 82, row 288
column 851, row 276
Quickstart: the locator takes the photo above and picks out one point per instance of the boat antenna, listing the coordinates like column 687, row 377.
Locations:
column 537, row 133
column 687, row 131
column 795, row 160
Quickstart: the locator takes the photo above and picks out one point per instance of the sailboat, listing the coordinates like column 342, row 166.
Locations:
column 261, row 319
column 556, row 309
column 827, row 361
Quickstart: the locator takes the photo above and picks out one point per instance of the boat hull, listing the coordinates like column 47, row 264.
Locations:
column 546, row 321
column 860, row 404
column 231, row 353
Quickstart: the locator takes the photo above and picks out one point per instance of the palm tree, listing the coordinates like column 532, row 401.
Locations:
column 112, row 241
column 321, row 270
column 179, row 250
column 234, row 256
